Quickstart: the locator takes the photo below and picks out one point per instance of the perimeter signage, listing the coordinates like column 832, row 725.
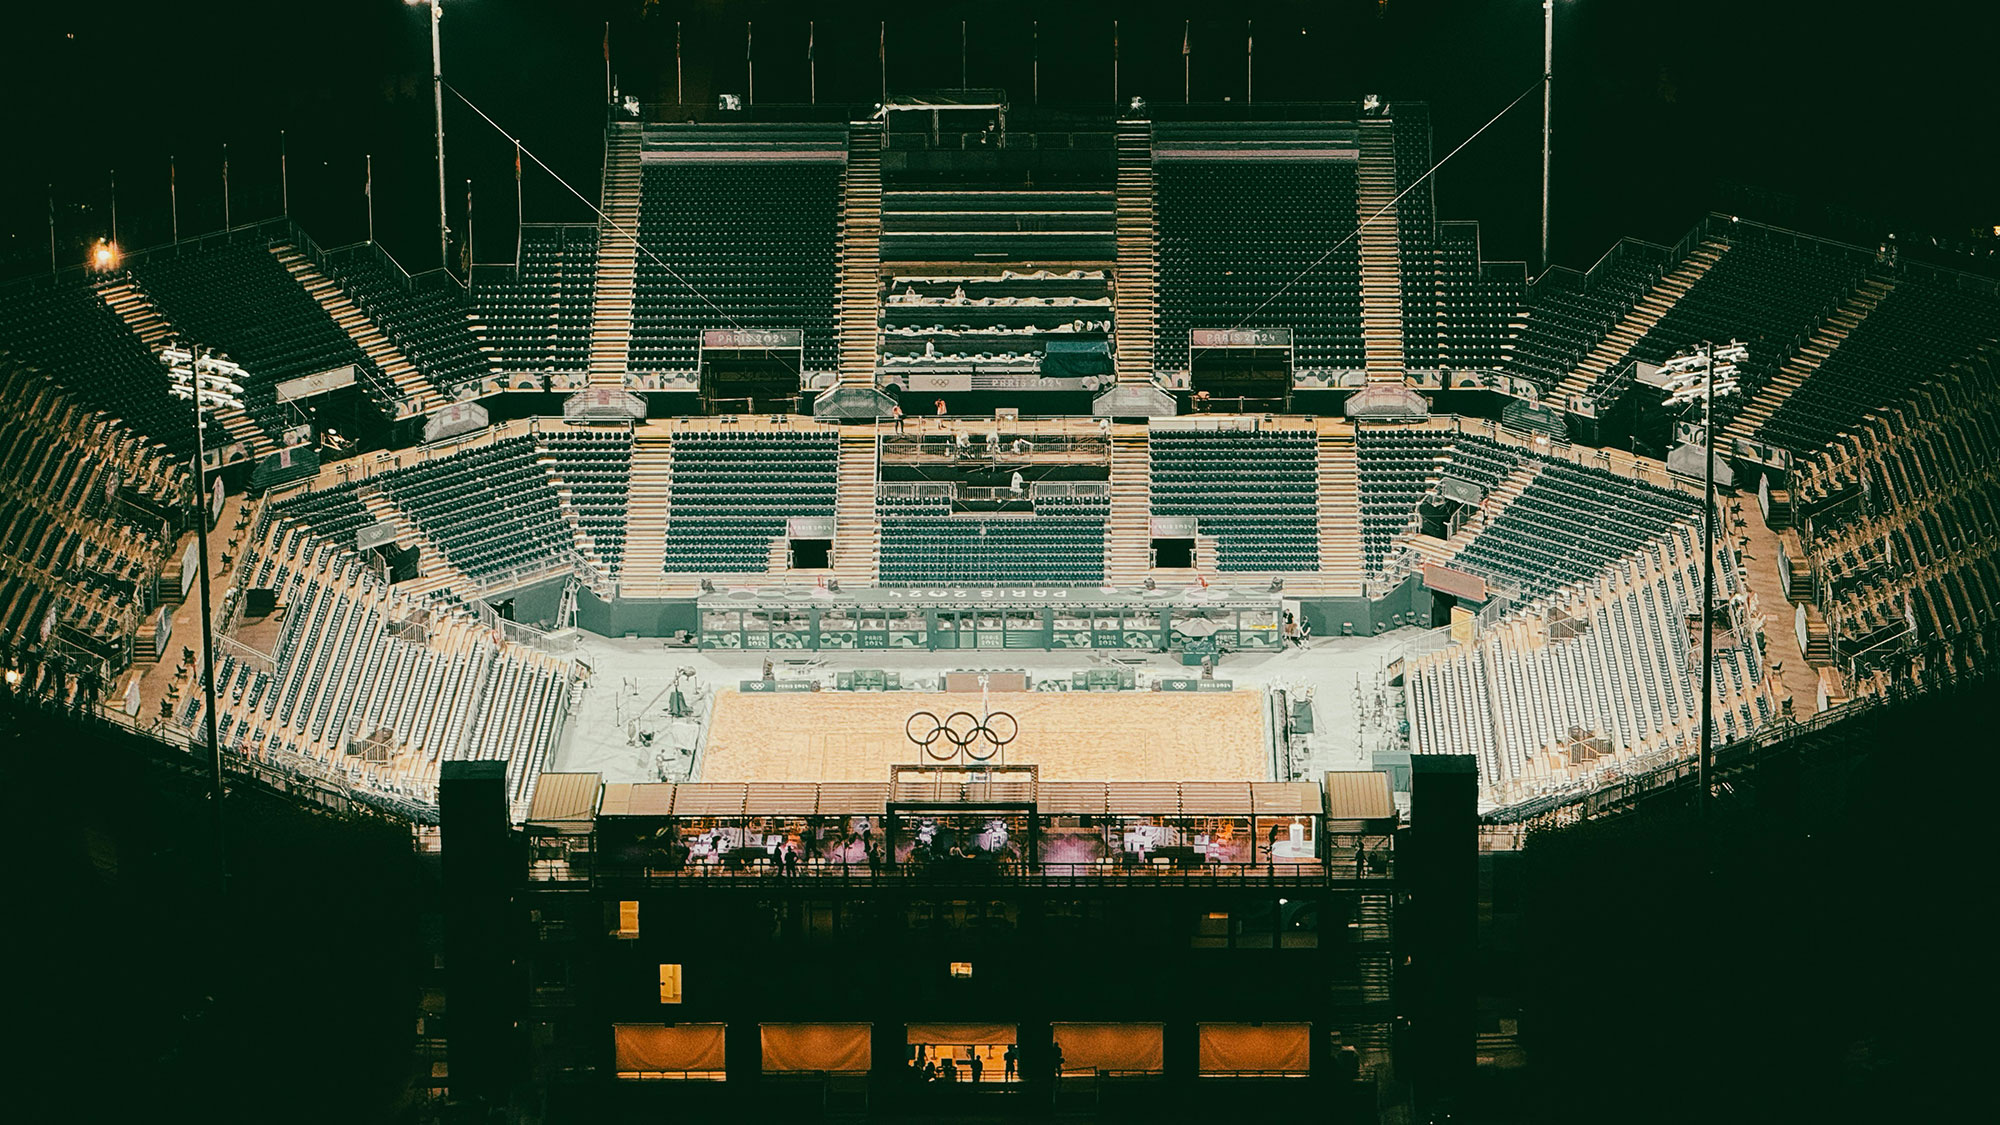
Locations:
column 754, row 339
column 1239, row 337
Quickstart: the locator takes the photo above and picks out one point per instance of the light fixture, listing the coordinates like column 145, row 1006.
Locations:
column 104, row 256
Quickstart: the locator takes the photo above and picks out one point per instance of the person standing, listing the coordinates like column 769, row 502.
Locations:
column 791, row 862
column 977, row 1064
column 1009, row 1059
column 896, row 412
column 940, row 408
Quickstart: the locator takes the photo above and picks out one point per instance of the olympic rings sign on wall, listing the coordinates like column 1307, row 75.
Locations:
column 962, row 734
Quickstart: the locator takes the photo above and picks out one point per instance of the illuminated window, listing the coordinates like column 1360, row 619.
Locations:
column 670, row 984
column 628, row 919
column 961, row 970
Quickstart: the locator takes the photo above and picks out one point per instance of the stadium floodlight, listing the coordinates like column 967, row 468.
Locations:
column 210, row 382
column 104, row 256
column 437, row 105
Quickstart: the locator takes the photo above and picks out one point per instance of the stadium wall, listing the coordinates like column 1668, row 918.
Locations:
column 645, row 617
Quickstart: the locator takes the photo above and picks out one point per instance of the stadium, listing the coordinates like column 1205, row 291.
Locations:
column 935, row 534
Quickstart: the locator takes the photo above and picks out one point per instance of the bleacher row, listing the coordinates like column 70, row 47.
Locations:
column 1568, row 524
column 1922, row 327
column 1769, row 291
column 1233, row 234
column 1569, row 313
column 538, row 318
column 748, row 245
column 82, row 505
column 1256, row 492
column 492, row 510
column 594, row 469
column 376, row 689
column 1593, row 674
column 1061, row 543
column 430, row 322
column 1903, row 530
column 733, row 491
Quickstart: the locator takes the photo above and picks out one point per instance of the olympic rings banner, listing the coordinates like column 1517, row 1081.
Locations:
column 961, row 734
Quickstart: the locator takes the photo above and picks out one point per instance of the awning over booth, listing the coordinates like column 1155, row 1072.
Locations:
column 961, row 1034
column 1128, row 1047
column 642, row 1049
column 830, row 1047
column 1252, row 1048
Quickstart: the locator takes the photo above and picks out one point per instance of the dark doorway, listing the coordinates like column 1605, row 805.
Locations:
column 1173, row 554
column 812, row 554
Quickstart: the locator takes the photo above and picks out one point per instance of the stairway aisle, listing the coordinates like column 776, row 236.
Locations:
column 1814, row 352
column 1128, row 532
column 861, row 258
column 857, row 534
column 414, row 394
column 1611, row 351
column 644, row 571
column 1136, row 303
column 617, row 257
column 1341, row 562
column 434, row 570
column 1381, row 254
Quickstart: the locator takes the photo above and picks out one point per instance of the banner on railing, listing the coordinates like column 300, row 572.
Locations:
column 1457, row 583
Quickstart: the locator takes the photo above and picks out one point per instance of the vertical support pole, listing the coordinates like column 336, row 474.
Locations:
column 1707, row 576
column 368, row 190
column 174, row 198
column 215, row 788
column 284, row 178
column 114, row 206
column 225, row 186
column 1548, row 72
column 437, row 104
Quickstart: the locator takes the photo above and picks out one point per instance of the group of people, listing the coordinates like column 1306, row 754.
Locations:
column 947, row 1069
column 1297, row 632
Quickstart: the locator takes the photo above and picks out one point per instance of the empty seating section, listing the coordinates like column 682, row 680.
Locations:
column 242, row 302
column 1902, row 532
column 1397, row 468
column 595, row 469
column 67, row 331
column 428, row 319
column 732, row 492
column 1569, row 313
column 753, row 245
column 334, row 514
column 493, row 510
column 538, row 319
column 1568, row 524
column 78, row 563
column 372, row 689
column 1061, row 544
column 1475, row 306
column 1255, row 492
column 1234, row 234
column 1587, row 677
column 1415, row 229
column 1923, row 326
column 1768, row 291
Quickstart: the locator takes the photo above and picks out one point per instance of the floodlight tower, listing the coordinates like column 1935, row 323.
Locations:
column 1711, row 363
column 201, row 377
column 1548, row 74
column 437, row 104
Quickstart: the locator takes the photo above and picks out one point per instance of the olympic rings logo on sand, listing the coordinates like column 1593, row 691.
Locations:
column 963, row 733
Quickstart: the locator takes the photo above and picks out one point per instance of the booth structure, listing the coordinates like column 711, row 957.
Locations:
column 998, row 820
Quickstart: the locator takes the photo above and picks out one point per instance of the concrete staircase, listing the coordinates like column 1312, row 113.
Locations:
column 1618, row 342
column 434, row 570
column 1135, row 304
column 1441, row 552
column 1800, row 367
column 617, row 257
column 414, row 392
column 644, row 572
column 1381, row 254
column 857, row 534
column 1341, row 561
column 861, row 259
column 146, row 321
column 1128, row 531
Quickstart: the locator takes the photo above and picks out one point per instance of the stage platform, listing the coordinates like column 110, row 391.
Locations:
column 1070, row 736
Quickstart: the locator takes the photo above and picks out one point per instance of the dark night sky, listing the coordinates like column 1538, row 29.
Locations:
column 1883, row 111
